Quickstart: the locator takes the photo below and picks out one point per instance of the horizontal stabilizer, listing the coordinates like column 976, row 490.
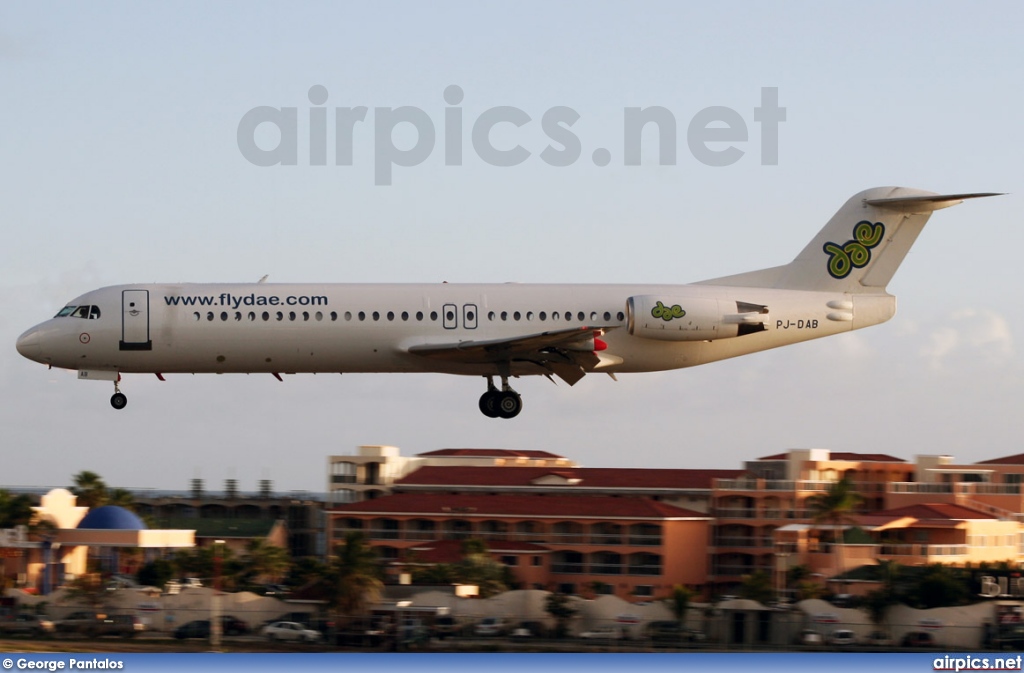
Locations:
column 925, row 204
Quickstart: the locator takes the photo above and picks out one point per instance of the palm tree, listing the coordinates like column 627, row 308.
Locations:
column 354, row 576
column 15, row 510
column 835, row 507
column 264, row 560
column 679, row 602
column 90, row 489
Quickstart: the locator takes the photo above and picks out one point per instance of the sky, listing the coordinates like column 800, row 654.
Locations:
column 121, row 162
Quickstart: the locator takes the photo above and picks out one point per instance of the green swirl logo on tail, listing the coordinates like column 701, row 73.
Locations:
column 667, row 313
column 856, row 253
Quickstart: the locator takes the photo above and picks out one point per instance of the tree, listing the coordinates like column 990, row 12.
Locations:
column 835, row 507
column 557, row 605
column 90, row 489
column 264, row 561
column 354, row 575
column 479, row 569
column 679, row 602
column 15, row 510
column 757, row 586
column 156, row 573
column 939, row 586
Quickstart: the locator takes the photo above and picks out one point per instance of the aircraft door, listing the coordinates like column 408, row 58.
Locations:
column 469, row 316
column 450, row 315
column 135, row 321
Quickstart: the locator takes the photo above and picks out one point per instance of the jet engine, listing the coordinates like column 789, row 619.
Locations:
column 692, row 318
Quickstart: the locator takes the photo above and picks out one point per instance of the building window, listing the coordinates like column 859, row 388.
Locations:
column 510, row 560
column 643, row 590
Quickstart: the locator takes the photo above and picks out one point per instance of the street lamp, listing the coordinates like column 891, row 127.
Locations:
column 215, row 625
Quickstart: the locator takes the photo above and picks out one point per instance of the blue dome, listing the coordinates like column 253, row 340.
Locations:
column 111, row 517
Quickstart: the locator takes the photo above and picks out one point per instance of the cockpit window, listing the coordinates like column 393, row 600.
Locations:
column 86, row 312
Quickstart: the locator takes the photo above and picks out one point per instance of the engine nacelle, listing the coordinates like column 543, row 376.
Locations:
column 692, row 319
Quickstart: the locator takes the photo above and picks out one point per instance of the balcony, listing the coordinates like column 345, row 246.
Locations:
column 925, row 552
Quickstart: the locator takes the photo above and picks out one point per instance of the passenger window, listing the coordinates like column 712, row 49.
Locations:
column 252, row 316
column 419, row 315
column 607, row 316
column 334, row 316
column 319, row 316
column 266, row 316
column 391, row 315
column 376, row 315
column 280, row 316
column 504, row 315
column 405, row 315
column 450, row 315
column 516, row 316
column 291, row 315
column 554, row 315
column 238, row 316
column 305, row 315
column 581, row 316
column 490, row 316
column 348, row 315
column 224, row 316
column 209, row 316
column 196, row 315
column 362, row 316
column 433, row 316
column 621, row 316
column 593, row 316
column 543, row 315
column 529, row 315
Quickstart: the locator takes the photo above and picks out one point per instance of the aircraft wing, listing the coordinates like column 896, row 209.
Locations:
column 567, row 353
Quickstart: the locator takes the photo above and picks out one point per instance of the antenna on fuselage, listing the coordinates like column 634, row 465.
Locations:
column 264, row 279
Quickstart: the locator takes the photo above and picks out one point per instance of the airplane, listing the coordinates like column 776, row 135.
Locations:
column 836, row 284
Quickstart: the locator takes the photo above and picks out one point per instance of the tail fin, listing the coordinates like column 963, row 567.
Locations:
column 860, row 248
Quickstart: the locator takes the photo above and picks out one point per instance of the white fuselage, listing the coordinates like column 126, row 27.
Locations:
column 302, row 328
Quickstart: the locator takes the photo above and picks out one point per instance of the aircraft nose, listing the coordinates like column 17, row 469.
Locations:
column 28, row 345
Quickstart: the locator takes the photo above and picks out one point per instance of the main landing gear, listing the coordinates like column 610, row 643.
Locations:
column 118, row 400
column 504, row 403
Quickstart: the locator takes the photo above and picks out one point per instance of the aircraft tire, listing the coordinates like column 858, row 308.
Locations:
column 509, row 405
column 489, row 404
column 118, row 401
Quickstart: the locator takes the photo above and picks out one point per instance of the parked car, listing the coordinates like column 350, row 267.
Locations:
column 233, row 626
column 94, row 624
column 290, row 631
column 810, row 637
column 200, row 628
column 878, row 639
column 672, row 633
column 490, row 626
column 842, row 637
column 919, row 639
column 446, row 626
column 602, row 633
column 26, row 624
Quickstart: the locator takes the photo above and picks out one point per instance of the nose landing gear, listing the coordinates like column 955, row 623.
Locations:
column 118, row 400
column 504, row 403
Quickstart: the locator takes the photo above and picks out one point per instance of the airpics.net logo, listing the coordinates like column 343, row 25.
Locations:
column 715, row 136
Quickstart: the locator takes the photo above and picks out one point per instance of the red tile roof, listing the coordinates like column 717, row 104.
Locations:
column 560, row 506
column 1017, row 459
column 933, row 511
column 590, row 477
column 489, row 453
column 847, row 455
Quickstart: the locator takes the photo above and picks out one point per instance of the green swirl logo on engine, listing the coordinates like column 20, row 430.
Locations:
column 667, row 313
column 856, row 253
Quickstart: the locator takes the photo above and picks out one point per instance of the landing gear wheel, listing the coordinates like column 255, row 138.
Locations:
column 118, row 400
column 509, row 404
column 489, row 403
